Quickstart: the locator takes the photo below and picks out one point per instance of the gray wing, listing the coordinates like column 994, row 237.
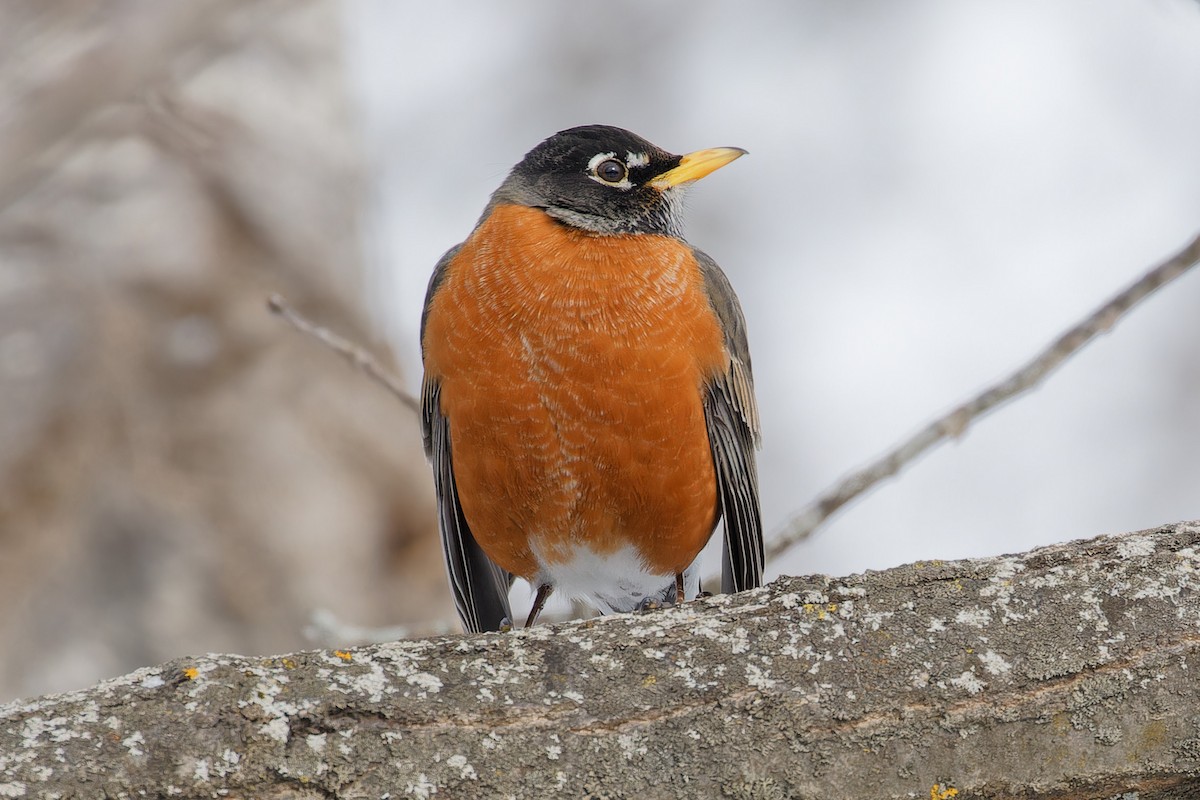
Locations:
column 480, row 587
column 731, row 415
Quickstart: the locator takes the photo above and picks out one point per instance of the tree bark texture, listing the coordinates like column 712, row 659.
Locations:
column 1065, row 672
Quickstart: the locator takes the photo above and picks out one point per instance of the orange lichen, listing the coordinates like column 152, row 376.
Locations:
column 942, row 792
column 191, row 673
column 819, row 610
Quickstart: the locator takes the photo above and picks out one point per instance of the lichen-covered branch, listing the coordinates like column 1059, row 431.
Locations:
column 1066, row 672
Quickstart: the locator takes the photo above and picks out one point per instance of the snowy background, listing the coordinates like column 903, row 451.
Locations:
column 935, row 190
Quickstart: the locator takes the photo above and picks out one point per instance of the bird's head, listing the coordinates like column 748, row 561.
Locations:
column 608, row 180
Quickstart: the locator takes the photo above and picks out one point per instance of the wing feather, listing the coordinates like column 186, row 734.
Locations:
column 480, row 588
column 731, row 416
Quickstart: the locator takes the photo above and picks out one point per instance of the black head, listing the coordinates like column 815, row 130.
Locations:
column 608, row 180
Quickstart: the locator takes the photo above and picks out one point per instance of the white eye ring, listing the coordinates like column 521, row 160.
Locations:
column 611, row 171
column 601, row 160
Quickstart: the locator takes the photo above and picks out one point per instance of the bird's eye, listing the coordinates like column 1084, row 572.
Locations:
column 610, row 171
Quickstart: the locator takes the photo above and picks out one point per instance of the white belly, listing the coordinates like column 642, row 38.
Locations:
column 613, row 582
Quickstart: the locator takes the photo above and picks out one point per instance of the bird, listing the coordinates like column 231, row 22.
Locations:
column 587, row 404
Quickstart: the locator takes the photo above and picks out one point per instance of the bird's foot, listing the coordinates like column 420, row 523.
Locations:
column 648, row 603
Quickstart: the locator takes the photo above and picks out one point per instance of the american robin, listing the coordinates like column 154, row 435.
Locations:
column 588, row 406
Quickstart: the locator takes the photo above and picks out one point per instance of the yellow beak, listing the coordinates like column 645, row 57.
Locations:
column 695, row 166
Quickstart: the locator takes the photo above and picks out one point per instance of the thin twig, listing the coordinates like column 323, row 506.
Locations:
column 354, row 354
column 324, row 629
column 955, row 424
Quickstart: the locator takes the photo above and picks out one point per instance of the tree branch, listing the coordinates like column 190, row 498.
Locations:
column 344, row 347
column 1066, row 672
column 954, row 424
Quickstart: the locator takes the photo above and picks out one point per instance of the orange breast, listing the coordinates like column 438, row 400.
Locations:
column 572, row 368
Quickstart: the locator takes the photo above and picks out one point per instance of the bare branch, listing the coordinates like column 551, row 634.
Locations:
column 351, row 352
column 956, row 423
column 324, row 629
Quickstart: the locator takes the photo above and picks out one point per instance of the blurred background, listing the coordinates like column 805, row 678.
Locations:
column 935, row 190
